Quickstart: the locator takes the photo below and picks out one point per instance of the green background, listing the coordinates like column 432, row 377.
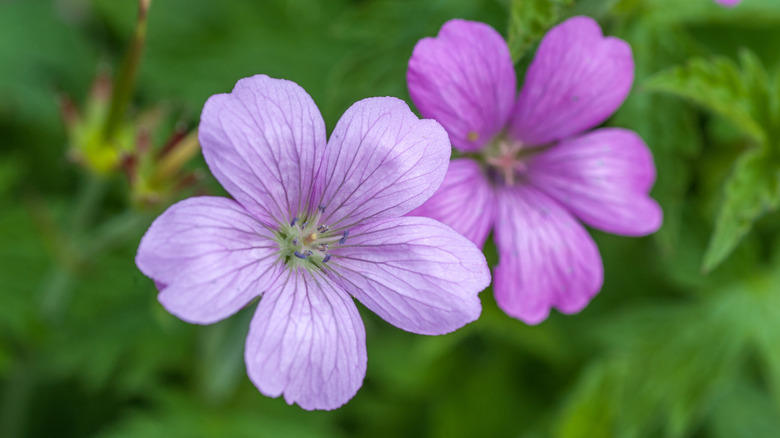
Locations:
column 681, row 341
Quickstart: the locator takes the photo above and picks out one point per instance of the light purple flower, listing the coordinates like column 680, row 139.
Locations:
column 313, row 224
column 529, row 169
column 728, row 3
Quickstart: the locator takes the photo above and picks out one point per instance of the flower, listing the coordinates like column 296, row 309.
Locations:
column 728, row 3
column 528, row 168
column 313, row 223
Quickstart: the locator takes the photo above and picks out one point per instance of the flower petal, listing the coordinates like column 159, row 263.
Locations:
column 603, row 177
column 307, row 341
column 264, row 143
column 382, row 161
column 576, row 81
column 416, row 273
column 464, row 78
column 208, row 257
column 464, row 201
column 546, row 258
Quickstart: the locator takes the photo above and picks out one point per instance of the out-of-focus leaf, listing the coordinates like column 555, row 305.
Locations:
column 221, row 356
column 668, row 125
column 664, row 368
column 744, row 412
column 529, row 20
column 667, row 367
column 752, row 191
column 765, row 290
column 720, row 86
column 182, row 416
column 381, row 36
column 590, row 411
column 754, row 12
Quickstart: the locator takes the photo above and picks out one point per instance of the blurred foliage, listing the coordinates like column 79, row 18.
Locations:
column 665, row 350
column 529, row 21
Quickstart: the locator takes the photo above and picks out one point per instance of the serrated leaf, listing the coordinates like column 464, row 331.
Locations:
column 752, row 191
column 529, row 20
column 720, row 86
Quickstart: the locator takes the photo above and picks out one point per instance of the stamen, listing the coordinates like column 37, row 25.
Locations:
column 294, row 221
column 323, row 228
column 302, row 256
column 344, row 238
column 327, row 257
column 321, row 208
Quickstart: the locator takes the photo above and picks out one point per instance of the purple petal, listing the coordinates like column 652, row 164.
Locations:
column 464, row 201
column 382, row 161
column 603, row 177
column 546, row 258
column 464, row 78
column 264, row 143
column 576, row 81
column 307, row 341
column 416, row 273
column 209, row 257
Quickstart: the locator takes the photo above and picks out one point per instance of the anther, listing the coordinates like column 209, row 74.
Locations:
column 302, row 255
column 327, row 257
column 321, row 208
column 323, row 228
column 344, row 237
column 294, row 221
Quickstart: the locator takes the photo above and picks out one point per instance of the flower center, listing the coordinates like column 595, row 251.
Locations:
column 504, row 157
column 306, row 241
column 507, row 159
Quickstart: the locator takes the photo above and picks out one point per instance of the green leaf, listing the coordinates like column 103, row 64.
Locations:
column 672, row 133
column 721, row 86
column 752, row 191
column 665, row 367
column 529, row 20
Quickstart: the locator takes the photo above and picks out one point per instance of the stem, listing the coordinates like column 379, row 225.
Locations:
column 125, row 81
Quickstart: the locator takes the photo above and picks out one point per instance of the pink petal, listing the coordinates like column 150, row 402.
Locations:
column 414, row 272
column 603, row 177
column 464, row 78
column 382, row 161
column 576, row 81
column 209, row 257
column 464, row 201
column 307, row 341
column 264, row 143
column 728, row 3
column 547, row 259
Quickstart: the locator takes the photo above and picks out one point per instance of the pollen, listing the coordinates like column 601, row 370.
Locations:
column 472, row 136
column 311, row 238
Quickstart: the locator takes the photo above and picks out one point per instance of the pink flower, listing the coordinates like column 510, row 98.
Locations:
column 728, row 3
column 529, row 169
column 313, row 224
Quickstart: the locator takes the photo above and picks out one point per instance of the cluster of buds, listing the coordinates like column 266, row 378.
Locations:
column 106, row 143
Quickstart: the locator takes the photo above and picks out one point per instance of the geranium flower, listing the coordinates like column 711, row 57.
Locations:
column 729, row 3
column 528, row 167
column 313, row 224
